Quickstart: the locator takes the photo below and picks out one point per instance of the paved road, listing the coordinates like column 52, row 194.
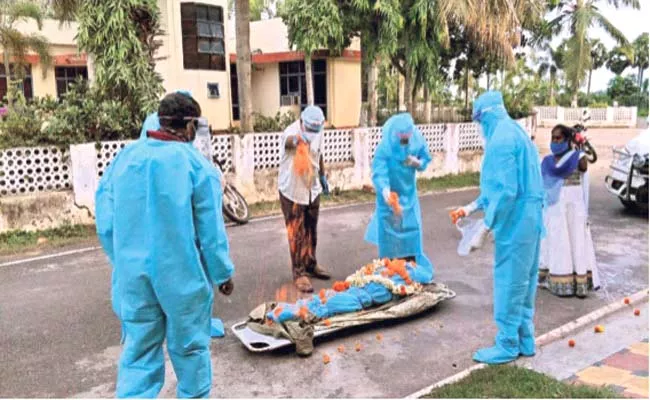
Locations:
column 59, row 338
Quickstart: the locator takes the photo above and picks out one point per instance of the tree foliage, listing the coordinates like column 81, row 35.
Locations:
column 121, row 36
column 16, row 45
column 576, row 17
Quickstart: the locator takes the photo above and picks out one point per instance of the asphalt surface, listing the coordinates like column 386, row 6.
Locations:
column 59, row 337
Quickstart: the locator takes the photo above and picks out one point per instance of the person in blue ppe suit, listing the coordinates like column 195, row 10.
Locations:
column 151, row 123
column 512, row 198
column 401, row 152
column 159, row 220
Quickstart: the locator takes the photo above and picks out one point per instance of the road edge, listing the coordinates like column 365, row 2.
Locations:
column 546, row 338
column 72, row 250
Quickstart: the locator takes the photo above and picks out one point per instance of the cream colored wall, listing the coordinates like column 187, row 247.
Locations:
column 343, row 92
column 266, row 89
column 46, row 86
column 271, row 36
column 52, row 30
column 217, row 111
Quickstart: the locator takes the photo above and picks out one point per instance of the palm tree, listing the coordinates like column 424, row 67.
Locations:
column 16, row 45
column 258, row 8
column 632, row 55
column 618, row 59
column 552, row 65
column 599, row 55
column 242, row 27
column 577, row 16
column 640, row 46
column 64, row 10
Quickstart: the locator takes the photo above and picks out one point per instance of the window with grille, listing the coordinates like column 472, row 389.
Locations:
column 25, row 86
column 203, row 37
column 68, row 75
column 293, row 85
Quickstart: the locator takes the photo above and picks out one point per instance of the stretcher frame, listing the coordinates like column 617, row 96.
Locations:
column 258, row 343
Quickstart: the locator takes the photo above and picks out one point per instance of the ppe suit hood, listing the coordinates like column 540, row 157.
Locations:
column 488, row 110
column 390, row 141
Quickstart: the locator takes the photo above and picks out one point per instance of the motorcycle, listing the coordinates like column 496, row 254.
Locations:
column 580, row 139
column 628, row 178
column 234, row 207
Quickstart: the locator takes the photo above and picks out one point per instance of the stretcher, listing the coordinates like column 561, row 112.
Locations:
column 257, row 342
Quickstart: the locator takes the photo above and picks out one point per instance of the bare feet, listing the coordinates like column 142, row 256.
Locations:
column 304, row 284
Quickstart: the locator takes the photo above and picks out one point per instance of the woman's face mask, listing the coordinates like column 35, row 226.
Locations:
column 559, row 148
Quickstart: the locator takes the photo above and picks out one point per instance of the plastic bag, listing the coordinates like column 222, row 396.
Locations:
column 471, row 230
column 379, row 293
column 361, row 294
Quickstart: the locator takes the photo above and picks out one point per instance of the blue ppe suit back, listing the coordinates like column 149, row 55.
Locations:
column 512, row 195
column 159, row 220
column 399, row 237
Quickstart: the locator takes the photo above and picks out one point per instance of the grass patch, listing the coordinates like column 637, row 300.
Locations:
column 266, row 208
column 506, row 381
column 15, row 242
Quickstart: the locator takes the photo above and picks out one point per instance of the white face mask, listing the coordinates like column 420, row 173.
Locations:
column 310, row 136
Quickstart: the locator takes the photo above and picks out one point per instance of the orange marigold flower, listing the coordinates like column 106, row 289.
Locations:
column 341, row 349
column 278, row 311
column 326, row 359
column 357, row 347
column 340, row 286
column 327, row 322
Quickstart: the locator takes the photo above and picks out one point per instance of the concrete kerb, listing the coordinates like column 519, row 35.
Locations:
column 549, row 337
column 230, row 224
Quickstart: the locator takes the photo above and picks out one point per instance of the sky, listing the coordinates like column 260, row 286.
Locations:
column 629, row 21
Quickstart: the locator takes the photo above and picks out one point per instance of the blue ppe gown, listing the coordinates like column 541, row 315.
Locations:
column 512, row 195
column 159, row 220
column 399, row 237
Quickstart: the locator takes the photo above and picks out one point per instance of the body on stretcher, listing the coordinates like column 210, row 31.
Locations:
column 431, row 295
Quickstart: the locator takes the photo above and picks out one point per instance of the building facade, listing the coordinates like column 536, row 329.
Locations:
column 198, row 54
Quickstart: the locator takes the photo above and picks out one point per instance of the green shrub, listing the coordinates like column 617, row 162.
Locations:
column 598, row 105
column 273, row 124
column 81, row 116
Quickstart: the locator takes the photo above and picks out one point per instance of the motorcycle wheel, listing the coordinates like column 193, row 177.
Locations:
column 235, row 206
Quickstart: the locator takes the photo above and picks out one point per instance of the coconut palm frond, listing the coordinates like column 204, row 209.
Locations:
column 611, row 30
column 41, row 46
column 24, row 11
column 65, row 10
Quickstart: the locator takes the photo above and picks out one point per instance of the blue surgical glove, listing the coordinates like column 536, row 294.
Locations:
column 326, row 187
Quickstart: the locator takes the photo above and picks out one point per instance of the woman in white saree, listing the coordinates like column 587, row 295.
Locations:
column 567, row 260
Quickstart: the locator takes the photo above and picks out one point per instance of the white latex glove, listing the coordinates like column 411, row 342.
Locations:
column 470, row 208
column 386, row 194
column 412, row 161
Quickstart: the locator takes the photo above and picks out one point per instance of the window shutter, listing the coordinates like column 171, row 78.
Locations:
column 188, row 28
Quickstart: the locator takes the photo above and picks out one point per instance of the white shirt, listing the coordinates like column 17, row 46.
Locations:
column 297, row 188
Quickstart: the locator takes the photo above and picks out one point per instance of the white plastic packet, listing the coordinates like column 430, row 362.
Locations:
column 471, row 230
